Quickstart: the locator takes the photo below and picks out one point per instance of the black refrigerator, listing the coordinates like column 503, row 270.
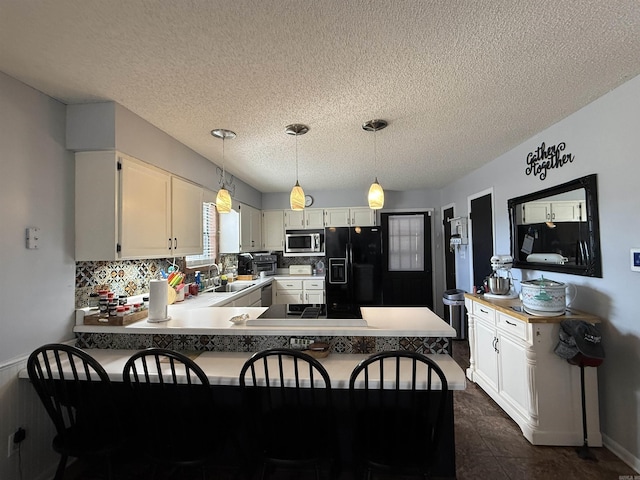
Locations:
column 353, row 277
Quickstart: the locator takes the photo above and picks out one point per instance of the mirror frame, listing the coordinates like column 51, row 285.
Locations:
column 594, row 267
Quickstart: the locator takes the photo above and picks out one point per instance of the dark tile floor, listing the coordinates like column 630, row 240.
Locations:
column 489, row 446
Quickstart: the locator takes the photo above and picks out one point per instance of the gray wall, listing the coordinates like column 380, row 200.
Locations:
column 110, row 126
column 604, row 138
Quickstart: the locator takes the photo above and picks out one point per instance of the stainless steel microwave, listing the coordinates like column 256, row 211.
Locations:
column 304, row 242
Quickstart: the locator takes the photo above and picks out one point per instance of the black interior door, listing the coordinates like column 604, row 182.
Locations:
column 449, row 254
column 482, row 236
column 407, row 287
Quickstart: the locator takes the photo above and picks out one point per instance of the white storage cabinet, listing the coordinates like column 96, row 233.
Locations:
column 299, row 291
column 273, row 230
column 513, row 361
column 128, row 209
column 250, row 228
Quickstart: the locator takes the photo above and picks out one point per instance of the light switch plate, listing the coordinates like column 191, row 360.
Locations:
column 635, row 259
column 33, row 237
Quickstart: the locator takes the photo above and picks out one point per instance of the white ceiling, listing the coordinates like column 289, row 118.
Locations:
column 460, row 82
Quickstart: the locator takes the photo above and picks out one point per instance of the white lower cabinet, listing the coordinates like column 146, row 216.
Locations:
column 288, row 291
column 512, row 359
column 251, row 299
column 299, row 291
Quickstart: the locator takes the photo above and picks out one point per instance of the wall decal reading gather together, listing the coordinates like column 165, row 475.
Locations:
column 544, row 158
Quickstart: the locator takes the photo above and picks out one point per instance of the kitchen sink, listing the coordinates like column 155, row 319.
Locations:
column 232, row 287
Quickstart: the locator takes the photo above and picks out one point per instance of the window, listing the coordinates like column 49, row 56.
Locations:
column 406, row 243
column 209, row 238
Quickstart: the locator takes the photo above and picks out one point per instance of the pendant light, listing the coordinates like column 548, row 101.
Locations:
column 296, row 199
column 223, row 199
column 376, row 194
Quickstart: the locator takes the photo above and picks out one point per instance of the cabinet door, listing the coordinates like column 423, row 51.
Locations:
column 229, row 232
column 363, row 217
column 273, row 230
column 145, row 211
column 314, row 218
column 289, row 296
column 485, row 353
column 314, row 291
column 294, row 219
column 337, row 217
column 513, row 372
column 536, row 212
column 256, row 230
column 245, row 227
column 565, row 211
column 186, row 217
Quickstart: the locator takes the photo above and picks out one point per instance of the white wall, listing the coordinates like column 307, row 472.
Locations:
column 604, row 138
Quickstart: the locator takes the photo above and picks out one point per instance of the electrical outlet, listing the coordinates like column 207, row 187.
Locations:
column 299, row 343
column 14, row 440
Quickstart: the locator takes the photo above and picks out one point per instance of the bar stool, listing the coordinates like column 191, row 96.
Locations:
column 78, row 396
column 397, row 414
column 175, row 411
column 287, row 395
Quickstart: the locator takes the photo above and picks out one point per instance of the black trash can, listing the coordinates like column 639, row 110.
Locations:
column 454, row 311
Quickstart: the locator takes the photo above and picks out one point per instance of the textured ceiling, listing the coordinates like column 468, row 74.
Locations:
column 460, row 82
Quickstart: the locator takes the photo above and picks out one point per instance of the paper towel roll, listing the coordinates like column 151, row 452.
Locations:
column 158, row 301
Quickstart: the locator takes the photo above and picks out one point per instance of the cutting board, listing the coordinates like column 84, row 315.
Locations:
column 96, row 319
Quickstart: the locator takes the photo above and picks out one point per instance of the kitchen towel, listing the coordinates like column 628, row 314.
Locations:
column 158, row 293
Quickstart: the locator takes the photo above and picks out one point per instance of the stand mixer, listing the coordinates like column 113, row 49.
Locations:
column 500, row 282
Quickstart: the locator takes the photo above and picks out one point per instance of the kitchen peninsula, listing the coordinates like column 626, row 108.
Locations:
column 202, row 324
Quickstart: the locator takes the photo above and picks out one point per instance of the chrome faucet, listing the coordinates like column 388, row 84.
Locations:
column 212, row 278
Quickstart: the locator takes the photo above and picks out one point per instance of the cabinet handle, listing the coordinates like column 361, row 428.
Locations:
column 484, row 311
column 495, row 346
column 170, row 244
column 175, row 242
column 512, row 324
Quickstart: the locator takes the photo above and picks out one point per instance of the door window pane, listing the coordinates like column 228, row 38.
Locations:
column 406, row 243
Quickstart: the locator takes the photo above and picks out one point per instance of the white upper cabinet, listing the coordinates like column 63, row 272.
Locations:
column 337, row 217
column 229, row 237
column 250, row 228
column 313, row 218
column 273, row 230
column 186, row 217
column 309, row 218
column 362, row 217
column 294, row 219
column 350, row 217
column 125, row 210
column 557, row 211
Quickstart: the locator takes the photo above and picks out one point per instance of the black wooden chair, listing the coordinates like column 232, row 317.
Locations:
column 397, row 421
column 287, row 396
column 175, row 414
column 78, row 396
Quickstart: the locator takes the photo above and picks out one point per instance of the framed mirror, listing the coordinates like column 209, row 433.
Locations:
column 557, row 229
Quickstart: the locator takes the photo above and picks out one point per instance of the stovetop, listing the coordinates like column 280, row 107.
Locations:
column 295, row 311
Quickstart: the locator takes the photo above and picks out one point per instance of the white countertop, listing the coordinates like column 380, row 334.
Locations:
column 223, row 368
column 380, row 322
column 202, row 315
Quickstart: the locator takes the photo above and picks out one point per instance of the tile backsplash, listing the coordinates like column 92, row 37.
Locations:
column 125, row 277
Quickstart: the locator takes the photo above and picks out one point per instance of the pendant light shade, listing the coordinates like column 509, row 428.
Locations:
column 223, row 199
column 296, row 199
column 376, row 194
